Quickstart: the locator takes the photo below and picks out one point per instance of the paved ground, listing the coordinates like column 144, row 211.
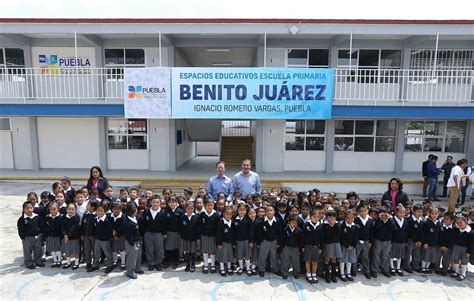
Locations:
column 46, row 283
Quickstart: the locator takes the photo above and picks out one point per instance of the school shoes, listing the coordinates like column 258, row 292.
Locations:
column 67, row 266
column 368, row 276
column 239, row 271
column 230, row 272
column 55, row 265
column 140, row 272
column 284, row 277
column 131, row 275
column 159, row 267
column 249, row 273
column 343, row 278
column 31, row 267
column 261, row 274
column 296, row 276
column 254, row 272
column 427, row 271
column 150, row 268
column 109, row 269
column 213, row 269
column 75, row 267
column 393, row 273
column 205, row 270
column 192, row 269
column 309, row 279
column 373, row 274
column 41, row 265
column 400, row 273
column 410, row 271
column 187, row 268
column 223, row 274
column 387, row 274
column 122, row 267
column 460, row 278
column 88, row 266
column 91, row 269
column 327, row 277
column 349, row 277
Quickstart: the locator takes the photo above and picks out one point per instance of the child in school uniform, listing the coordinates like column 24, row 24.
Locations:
column 133, row 246
column 118, row 220
column 30, row 228
column 189, row 233
column 241, row 225
column 253, row 224
column 53, row 234
column 60, row 199
column 292, row 241
column 81, row 204
column 366, row 238
column 332, row 246
column 415, row 232
column 430, row 241
column 71, row 232
column 155, row 227
column 269, row 233
column 68, row 191
column 399, row 241
column 208, row 226
column 312, row 236
column 172, row 241
column 445, row 243
column 463, row 247
column 349, row 240
column 224, row 241
column 383, row 232
column 88, row 232
column 103, row 236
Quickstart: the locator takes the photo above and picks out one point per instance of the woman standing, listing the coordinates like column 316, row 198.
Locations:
column 395, row 195
column 97, row 181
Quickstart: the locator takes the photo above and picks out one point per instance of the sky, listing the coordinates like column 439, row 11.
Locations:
column 293, row 9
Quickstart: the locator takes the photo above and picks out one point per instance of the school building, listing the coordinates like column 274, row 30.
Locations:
column 402, row 89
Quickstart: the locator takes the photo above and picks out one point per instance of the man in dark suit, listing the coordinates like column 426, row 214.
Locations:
column 424, row 171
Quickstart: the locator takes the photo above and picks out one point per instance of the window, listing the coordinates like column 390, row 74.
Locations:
column 371, row 65
column 118, row 59
column 304, row 135
column 365, row 135
column 12, row 61
column 127, row 133
column 453, row 59
column 5, row 124
column 308, row 58
column 439, row 136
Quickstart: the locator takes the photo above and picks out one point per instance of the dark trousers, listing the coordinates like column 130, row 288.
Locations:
column 445, row 187
column 425, row 185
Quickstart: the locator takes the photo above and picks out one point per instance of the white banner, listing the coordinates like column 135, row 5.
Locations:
column 147, row 92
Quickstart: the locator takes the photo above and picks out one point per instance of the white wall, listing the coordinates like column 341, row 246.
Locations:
column 305, row 160
column 207, row 149
column 364, row 161
column 127, row 159
column 6, row 150
column 21, row 141
column 186, row 150
column 152, row 57
column 412, row 161
column 276, row 57
column 273, row 145
column 158, row 134
column 68, row 142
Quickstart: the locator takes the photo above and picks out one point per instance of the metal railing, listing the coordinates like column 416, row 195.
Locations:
column 236, row 128
column 352, row 86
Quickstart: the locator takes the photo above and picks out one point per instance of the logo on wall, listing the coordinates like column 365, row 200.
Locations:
column 140, row 92
column 52, row 63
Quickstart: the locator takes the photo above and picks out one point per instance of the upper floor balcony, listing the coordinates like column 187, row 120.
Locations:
column 370, row 87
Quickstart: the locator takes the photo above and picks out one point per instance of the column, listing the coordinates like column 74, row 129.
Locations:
column 400, row 146
column 330, row 130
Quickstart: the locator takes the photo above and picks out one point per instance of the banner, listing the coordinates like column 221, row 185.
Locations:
column 147, row 92
column 229, row 93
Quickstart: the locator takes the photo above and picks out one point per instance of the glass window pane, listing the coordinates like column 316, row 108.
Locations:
column 433, row 145
column 385, row 144
column 295, row 126
column 314, row 143
column 137, row 126
column 415, row 128
column 344, row 127
column 117, row 126
column 456, row 129
column 114, row 57
column 319, row 57
column 386, row 127
column 454, row 145
column 114, row 73
column 434, row 128
column 390, row 58
column 297, row 56
column 414, row 144
column 368, row 58
column 117, row 142
column 343, row 144
column 136, row 142
column 294, row 143
column 364, row 144
column 344, row 56
column 364, row 127
column 315, row 127
column 1, row 57
column 14, row 57
column 134, row 56
column 4, row 124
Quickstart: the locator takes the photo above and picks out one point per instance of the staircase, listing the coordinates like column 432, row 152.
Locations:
column 235, row 149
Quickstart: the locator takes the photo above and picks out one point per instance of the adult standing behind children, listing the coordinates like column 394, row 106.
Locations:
column 220, row 183
column 97, row 181
column 455, row 183
column 424, row 171
column 247, row 181
column 394, row 194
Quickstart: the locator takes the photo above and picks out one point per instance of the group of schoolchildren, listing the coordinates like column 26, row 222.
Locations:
column 272, row 231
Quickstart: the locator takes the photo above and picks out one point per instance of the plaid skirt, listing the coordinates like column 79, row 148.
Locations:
column 53, row 244
column 333, row 250
column 72, row 247
column 430, row 254
column 242, row 249
column 225, row 254
column 189, row 246
column 208, row 244
column 311, row 253
column 398, row 250
column 172, row 241
column 459, row 253
column 118, row 244
column 348, row 255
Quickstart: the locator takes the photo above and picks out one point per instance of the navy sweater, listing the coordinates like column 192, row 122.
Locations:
column 445, row 236
column 383, row 231
column 430, row 233
column 88, row 224
column 71, row 227
column 53, row 226
column 268, row 232
column 224, row 233
column 241, row 229
column 366, row 232
column 400, row 234
column 156, row 225
column 415, row 230
column 312, row 236
column 103, row 229
column 118, row 224
column 332, row 234
column 173, row 219
column 349, row 235
column 292, row 238
column 29, row 226
column 253, row 226
column 188, row 228
column 464, row 239
column 131, row 231
column 208, row 224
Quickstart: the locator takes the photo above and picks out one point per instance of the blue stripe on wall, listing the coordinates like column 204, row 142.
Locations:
column 337, row 111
